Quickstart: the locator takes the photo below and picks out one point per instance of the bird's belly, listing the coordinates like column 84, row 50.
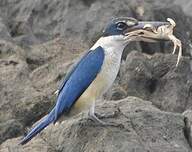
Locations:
column 98, row 87
column 94, row 91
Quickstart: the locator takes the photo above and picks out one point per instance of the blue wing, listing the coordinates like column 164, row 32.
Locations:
column 74, row 84
column 78, row 80
column 70, row 71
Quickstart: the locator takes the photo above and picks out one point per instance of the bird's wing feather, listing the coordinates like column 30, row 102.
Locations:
column 74, row 84
column 69, row 72
column 78, row 80
column 44, row 122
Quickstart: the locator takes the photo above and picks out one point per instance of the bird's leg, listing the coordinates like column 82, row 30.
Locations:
column 92, row 115
column 96, row 119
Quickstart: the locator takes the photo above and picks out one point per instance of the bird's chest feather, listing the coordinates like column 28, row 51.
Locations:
column 102, row 82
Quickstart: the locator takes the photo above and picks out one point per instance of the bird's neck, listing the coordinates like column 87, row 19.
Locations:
column 110, row 45
column 111, row 64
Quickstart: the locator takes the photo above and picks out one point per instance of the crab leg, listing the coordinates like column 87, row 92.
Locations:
column 162, row 32
column 176, row 43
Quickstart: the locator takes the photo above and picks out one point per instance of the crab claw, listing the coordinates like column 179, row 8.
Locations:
column 156, row 31
column 151, row 27
column 171, row 21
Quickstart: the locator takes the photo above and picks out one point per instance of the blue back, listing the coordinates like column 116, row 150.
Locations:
column 78, row 80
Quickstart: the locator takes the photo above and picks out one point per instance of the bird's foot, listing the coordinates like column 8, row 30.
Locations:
column 94, row 117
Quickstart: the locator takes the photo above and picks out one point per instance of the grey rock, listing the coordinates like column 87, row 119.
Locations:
column 10, row 128
column 4, row 33
column 27, row 83
column 32, row 67
column 156, row 78
column 160, row 11
column 188, row 125
column 138, row 126
column 32, row 22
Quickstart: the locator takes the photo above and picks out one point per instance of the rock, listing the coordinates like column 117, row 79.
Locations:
column 9, row 129
column 40, row 39
column 156, row 78
column 135, row 75
column 4, row 33
column 173, row 85
column 186, row 5
column 38, row 21
column 160, row 11
column 139, row 126
column 28, row 81
column 188, row 125
column 15, row 87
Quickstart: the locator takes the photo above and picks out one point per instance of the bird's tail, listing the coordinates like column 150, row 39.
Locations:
column 40, row 126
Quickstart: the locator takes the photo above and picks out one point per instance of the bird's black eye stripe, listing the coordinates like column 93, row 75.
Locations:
column 121, row 25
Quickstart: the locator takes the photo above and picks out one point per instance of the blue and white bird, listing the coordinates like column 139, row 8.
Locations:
column 95, row 72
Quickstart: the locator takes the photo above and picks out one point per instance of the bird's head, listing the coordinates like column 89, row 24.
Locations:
column 125, row 29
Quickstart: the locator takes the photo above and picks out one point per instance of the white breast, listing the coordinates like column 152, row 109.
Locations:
column 106, row 76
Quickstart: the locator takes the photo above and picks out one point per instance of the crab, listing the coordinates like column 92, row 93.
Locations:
column 164, row 32
column 153, row 32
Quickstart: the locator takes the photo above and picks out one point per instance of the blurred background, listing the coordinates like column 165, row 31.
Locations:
column 40, row 39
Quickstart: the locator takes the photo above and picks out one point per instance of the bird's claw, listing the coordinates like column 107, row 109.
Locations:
column 94, row 117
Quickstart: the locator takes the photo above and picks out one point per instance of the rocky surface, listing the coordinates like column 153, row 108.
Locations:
column 156, row 78
column 39, row 40
column 138, row 126
column 28, row 82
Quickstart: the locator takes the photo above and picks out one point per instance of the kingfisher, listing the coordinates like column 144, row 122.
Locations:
column 94, row 73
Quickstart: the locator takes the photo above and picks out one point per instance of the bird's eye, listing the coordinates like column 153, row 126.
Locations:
column 121, row 26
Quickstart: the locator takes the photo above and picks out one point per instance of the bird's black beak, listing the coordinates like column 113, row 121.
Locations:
column 150, row 31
